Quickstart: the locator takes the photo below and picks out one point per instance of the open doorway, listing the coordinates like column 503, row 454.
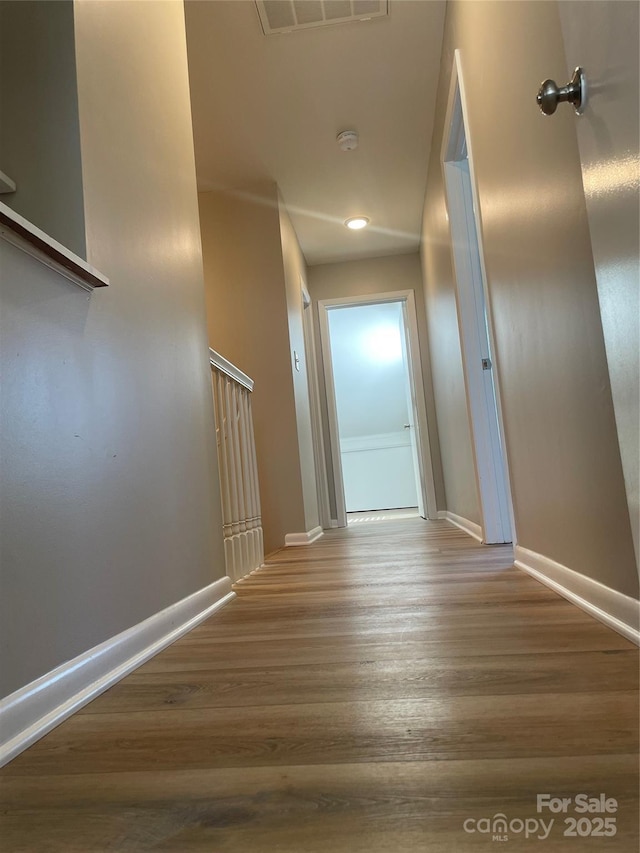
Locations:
column 375, row 401
column 474, row 322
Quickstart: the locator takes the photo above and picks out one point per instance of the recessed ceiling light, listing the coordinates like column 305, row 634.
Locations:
column 357, row 222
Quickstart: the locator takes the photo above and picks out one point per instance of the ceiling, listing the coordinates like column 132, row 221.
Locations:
column 269, row 108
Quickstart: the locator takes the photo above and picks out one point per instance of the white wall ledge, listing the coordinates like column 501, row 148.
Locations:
column 18, row 231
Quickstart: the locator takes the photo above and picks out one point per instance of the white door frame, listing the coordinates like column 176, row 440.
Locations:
column 475, row 321
column 407, row 298
column 319, row 455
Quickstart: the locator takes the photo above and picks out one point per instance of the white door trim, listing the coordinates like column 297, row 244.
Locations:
column 406, row 297
column 319, row 454
column 482, row 387
column 332, row 413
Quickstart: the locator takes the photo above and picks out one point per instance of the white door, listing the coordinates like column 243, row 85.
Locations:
column 370, row 374
column 419, row 482
column 602, row 36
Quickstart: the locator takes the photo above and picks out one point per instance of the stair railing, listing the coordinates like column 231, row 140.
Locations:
column 242, row 522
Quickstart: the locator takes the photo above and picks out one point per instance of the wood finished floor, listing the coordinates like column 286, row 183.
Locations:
column 370, row 692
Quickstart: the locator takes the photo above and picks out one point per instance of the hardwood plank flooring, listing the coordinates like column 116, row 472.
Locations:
column 371, row 692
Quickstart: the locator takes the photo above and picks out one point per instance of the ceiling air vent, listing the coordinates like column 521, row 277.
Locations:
column 283, row 16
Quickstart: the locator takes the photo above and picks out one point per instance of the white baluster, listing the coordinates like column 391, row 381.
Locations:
column 249, row 479
column 233, row 484
column 256, row 488
column 225, row 477
column 242, row 524
column 222, row 452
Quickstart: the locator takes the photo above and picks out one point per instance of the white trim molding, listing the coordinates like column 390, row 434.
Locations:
column 22, row 234
column 469, row 527
column 426, row 485
column 475, row 322
column 317, row 435
column 618, row 611
column 31, row 712
column 303, row 538
column 229, row 369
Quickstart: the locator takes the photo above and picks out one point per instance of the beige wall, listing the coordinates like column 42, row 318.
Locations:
column 360, row 278
column 39, row 125
column 109, row 497
column 248, row 323
column 566, row 475
column 295, row 273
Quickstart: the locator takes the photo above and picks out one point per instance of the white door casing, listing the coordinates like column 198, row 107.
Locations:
column 474, row 322
column 412, row 408
column 314, row 409
column 426, row 482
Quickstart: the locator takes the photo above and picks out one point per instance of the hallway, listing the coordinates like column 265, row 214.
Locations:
column 370, row 692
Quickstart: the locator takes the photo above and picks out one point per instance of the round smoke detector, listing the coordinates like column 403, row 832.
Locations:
column 347, row 140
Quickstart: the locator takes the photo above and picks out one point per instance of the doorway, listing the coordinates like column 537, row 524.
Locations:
column 377, row 415
column 474, row 323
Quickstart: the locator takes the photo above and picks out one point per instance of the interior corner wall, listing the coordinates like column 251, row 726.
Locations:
column 561, row 442
column 360, row 278
column 247, row 320
column 110, row 502
column 295, row 275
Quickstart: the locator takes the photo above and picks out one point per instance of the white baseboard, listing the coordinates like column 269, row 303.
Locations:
column 32, row 711
column 469, row 527
column 303, row 538
column 618, row 611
